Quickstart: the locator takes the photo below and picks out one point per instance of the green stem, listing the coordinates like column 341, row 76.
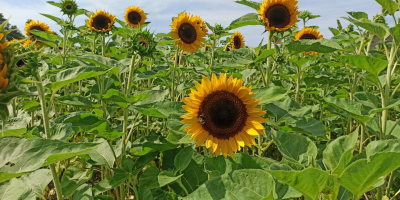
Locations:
column 389, row 184
column 268, row 75
column 182, row 186
column 46, row 123
column 148, row 125
column 212, row 56
column 103, row 45
column 173, row 75
column 361, row 138
column 298, row 85
column 262, row 75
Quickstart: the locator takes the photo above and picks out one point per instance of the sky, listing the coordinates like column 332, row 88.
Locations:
column 160, row 13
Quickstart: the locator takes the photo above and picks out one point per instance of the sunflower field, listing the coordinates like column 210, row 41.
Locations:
column 111, row 110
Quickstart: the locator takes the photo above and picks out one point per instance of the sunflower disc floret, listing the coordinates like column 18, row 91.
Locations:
column 279, row 15
column 134, row 16
column 223, row 115
column 189, row 31
column 101, row 21
column 69, row 7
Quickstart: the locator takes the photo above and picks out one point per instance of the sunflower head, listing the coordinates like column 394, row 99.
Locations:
column 308, row 34
column 279, row 15
column 101, row 21
column 223, row 115
column 134, row 16
column 237, row 40
column 179, row 57
column 189, row 31
column 40, row 26
column 207, row 47
column 69, row 7
column 143, row 43
column 227, row 48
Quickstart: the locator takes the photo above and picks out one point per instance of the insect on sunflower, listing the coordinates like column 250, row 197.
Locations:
column 101, row 21
column 134, row 16
column 279, row 15
column 40, row 26
column 308, row 34
column 189, row 32
column 237, row 40
column 223, row 115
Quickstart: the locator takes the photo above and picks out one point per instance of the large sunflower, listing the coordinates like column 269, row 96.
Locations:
column 237, row 40
column 101, row 21
column 40, row 26
column 279, row 15
column 308, row 34
column 189, row 32
column 223, row 115
column 134, row 16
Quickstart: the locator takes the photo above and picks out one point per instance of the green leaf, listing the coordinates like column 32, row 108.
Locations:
column 151, row 143
column 5, row 176
column 109, row 183
column 247, row 19
column 56, row 19
column 395, row 31
column 161, row 109
column 251, row 4
column 183, row 158
column 102, row 154
column 37, row 181
column 264, row 54
column 334, row 31
column 296, row 147
column 307, row 125
column 73, row 177
column 358, row 15
column 378, row 29
column 360, row 176
column 321, row 46
column 339, row 152
column 144, row 160
column 61, row 131
column 72, row 75
column 96, row 60
column 24, row 155
column 149, row 178
column 59, row 5
column 167, row 177
column 389, row 5
column 16, row 189
column 356, row 110
column 269, row 94
column 367, row 63
column 45, row 35
column 310, row 182
column 78, row 101
column 239, row 184
column 123, row 100
column 83, row 192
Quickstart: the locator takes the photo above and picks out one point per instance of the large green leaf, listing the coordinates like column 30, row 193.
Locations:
column 389, row 5
column 378, row 29
column 161, row 109
column 109, row 183
column 24, row 155
column 16, row 189
column 339, row 152
column 356, row 110
column 247, row 19
column 124, row 100
column 102, row 154
column 269, row 94
column 251, row 4
column 183, row 158
column 358, row 15
column 167, row 177
column 264, row 54
column 392, row 103
column 307, row 125
column 239, row 184
column 83, row 192
column 151, row 143
column 395, row 31
column 360, row 176
column 367, row 63
column 149, row 178
column 72, row 75
column 310, row 182
column 73, row 177
column 37, row 181
column 321, row 46
column 296, row 147
column 96, row 60
column 45, row 35
column 78, row 101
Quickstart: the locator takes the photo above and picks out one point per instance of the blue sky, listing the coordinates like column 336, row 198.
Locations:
column 213, row 11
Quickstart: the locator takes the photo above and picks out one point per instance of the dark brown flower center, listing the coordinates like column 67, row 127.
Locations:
column 37, row 28
column 143, row 43
column 68, row 7
column 237, row 42
column 134, row 17
column 21, row 62
column 308, row 37
column 278, row 16
column 101, row 22
column 187, row 33
column 224, row 114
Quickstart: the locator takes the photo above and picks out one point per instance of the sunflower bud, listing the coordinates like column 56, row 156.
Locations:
column 379, row 19
column 349, row 28
column 143, row 43
column 69, row 7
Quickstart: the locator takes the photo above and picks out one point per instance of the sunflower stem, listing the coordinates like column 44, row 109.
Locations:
column 103, row 45
column 268, row 75
column 212, row 56
column 298, row 84
column 173, row 75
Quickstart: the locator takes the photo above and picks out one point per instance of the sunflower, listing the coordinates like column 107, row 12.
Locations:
column 308, row 34
column 279, row 15
column 143, row 41
column 202, row 24
column 227, row 48
column 173, row 57
column 3, row 79
column 188, row 31
column 69, row 7
column 223, row 115
column 40, row 26
column 101, row 21
column 237, row 40
column 207, row 47
column 134, row 16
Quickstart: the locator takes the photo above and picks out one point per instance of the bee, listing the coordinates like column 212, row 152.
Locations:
column 201, row 119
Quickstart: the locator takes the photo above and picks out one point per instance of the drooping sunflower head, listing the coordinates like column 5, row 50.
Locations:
column 308, row 34
column 279, row 15
column 188, row 31
column 237, row 40
column 134, row 16
column 69, row 7
column 101, row 21
column 223, row 115
column 40, row 26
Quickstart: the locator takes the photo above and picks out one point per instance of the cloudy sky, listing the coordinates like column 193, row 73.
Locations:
column 213, row 11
